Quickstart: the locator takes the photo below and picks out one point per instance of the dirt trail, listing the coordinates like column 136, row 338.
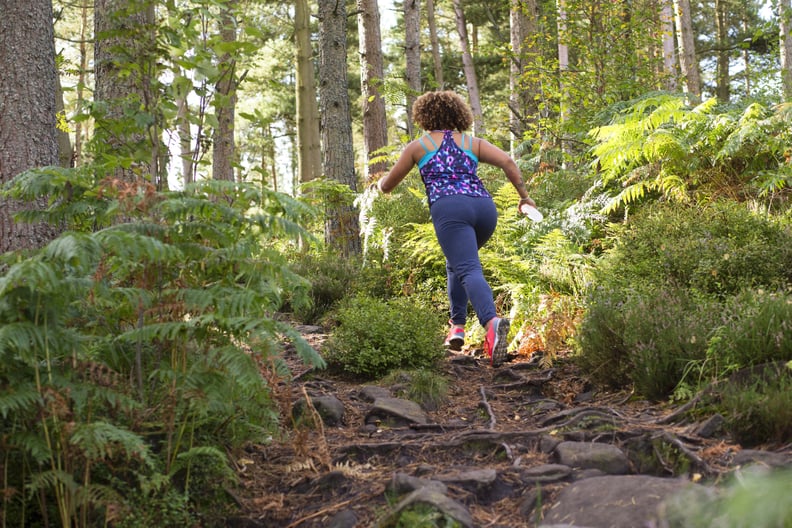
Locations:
column 494, row 419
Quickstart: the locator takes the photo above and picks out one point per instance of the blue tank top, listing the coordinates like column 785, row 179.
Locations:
column 449, row 169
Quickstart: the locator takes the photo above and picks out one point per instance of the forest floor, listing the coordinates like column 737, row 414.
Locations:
column 310, row 474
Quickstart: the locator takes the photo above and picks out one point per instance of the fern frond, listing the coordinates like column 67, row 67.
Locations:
column 18, row 397
column 199, row 454
column 31, row 442
column 100, row 440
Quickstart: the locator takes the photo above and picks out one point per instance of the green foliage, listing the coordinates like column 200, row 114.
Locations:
column 424, row 516
column 133, row 349
column 679, row 298
column 752, row 497
column 423, row 386
column 375, row 337
column 659, row 148
column 757, row 404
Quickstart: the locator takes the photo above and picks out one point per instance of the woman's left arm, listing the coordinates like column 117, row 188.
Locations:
column 492, row 155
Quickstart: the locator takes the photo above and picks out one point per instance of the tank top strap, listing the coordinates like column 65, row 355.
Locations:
column 432, row 141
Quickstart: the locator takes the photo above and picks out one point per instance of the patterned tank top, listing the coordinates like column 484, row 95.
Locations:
column 449, row 169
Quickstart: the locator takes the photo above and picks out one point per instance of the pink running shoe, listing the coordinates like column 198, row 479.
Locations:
column 455, row 339
column 496, row 341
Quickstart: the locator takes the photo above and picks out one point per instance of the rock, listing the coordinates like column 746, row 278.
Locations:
column 402, row 483
column 766, row 458
column 546, row 473
column 370, row 393
column 593, row 455
column 612, row 501
column 710, row 426
column 330, row 409
column 395, row 412
column 343, row 519
column 434, row 500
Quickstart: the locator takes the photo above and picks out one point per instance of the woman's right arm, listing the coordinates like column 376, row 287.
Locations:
column 403, row 166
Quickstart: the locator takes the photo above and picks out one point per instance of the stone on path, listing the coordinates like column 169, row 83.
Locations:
column 592, row 455
column 612, row 501
column 395, row 412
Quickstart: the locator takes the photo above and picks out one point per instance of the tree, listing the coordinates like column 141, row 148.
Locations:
column 469, row 68
column 338, row 160
column 412, row 55
column 127, row 139
column 523, row 28
column 27, row 111
column 223, row 149
column 669, row 49
column 722, row 51
column 785, row 25
column 375, row 125
column 687, row 51
column 309, row 161
column 435, row 44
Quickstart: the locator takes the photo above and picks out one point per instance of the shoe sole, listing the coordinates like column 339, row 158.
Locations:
column 455, row 344
column 501, row 344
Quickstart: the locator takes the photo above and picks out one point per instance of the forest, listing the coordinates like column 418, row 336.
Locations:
column 183, row 183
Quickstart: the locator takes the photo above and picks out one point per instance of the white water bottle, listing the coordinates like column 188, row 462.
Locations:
column 531, row 212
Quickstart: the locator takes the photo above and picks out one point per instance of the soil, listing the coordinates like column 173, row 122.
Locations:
column 314, row 471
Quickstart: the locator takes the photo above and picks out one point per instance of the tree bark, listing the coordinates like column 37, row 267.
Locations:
column 309, row 160
column 470, row 69
column 123, row 66
column 375, row 125
column 785, row 23
column 687, row 52
column 412, row 54
column 669, row 48
column 342, row 231
column 27, row 111
column 435, row 43
column 722, row 42
column 523, row 29
column 223, row 146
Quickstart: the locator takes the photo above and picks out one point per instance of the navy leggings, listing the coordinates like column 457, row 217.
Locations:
column 463, row 224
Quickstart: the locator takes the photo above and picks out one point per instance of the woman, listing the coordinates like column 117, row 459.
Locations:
column 463, row 213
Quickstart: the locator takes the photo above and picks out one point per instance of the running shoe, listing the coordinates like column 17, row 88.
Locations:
column 496, row 341
column 455, row 338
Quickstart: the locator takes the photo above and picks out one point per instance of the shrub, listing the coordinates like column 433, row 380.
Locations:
column 757, row 404
column 374, row 337
column 425, row 387
column 647, row 338
column 331, row 279
column 654, row 310
column 756, row 329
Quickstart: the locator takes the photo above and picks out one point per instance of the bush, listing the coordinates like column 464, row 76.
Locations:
column 649, row 338
column 757, row 404
column 374, row 337
column 656, row 307
column 331, row 280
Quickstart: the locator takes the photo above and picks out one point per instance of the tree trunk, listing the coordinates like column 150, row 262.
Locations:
column 470, row 69
column 186, row 151
column 27, row 111
column 435, row 43
column 722, row 43
column 309, row 160
column 687, row 51
column 669, row 48
column 412, row 54
column 78, row 129
column 123, row 66
column 65, row 151
column 338, row 162
column 223, row 146
column 375, row 125
column 563, row 65
column 523, row 29
column 785, row 23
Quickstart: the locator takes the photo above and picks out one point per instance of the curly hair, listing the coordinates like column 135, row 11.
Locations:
column 442, row 111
